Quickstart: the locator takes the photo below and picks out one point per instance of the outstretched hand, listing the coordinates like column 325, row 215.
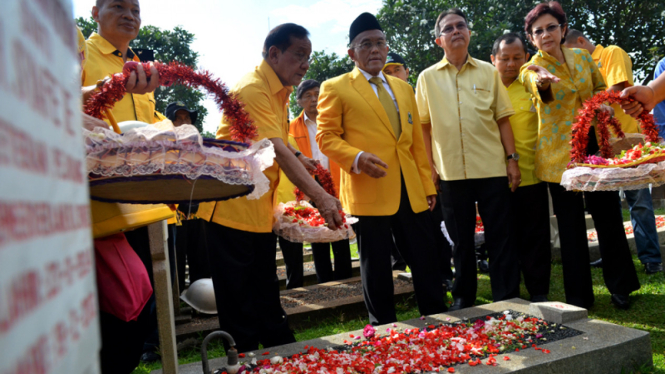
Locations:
column 544, row 76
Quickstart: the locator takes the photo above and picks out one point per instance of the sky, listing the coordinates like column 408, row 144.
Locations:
column 230, row 34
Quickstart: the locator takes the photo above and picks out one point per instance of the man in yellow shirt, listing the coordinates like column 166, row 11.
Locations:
column 617, row 70
column 368, row 125
column 241, row 245
column 465, row 110
column 530, row 236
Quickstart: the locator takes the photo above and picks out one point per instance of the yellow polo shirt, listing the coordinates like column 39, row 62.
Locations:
column 616, row 67
column 525, row 131
column 286, row 187
column 266, row 100
column 104, row 60
column 463, row 108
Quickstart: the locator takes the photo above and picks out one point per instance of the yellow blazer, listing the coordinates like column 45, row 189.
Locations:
column 351, row 119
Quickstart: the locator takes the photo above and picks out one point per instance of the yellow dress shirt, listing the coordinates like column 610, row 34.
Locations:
column 463, row 108
column 580, row 80
column 286, row 187
column 525, row 131
column 104, row 60
column 616, row 67
column 265, row 99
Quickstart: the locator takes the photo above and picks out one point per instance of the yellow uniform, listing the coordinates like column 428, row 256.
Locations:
column 525, row 130
column 616, row 67
column 463, row 108
column 580, row 80
column 286, row 187
column 352, row 119
column 105, row 60
column 265, row 99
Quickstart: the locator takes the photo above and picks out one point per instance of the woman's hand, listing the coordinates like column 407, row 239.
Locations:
column 544, row 77
column 607, row 109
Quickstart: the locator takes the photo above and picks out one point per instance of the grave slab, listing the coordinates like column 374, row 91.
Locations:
column 601, row 348
column 557, row 312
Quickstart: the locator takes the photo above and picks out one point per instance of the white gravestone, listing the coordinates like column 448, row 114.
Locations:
column 48, row 300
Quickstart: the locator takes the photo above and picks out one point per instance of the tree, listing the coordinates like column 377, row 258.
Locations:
column 322, row 67
column 168, row 45
column 636, row 26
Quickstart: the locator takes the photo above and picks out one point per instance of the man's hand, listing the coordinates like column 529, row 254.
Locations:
column 431, row 202
column 367, row 163
column 308, row 163
column 329, row 208
column 138, row 82
column 514, row 175
column 544, row 77
column 435, row 178
column 646, row 100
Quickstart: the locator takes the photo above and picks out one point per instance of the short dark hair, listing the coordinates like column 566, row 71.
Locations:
column 573, row 34
column 455, row 11
column 509, row 38
column 281, row 35
column 306, row 86
column 552, row 8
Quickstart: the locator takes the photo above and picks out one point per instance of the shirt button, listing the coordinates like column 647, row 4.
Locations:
column 461, row 117
column 460, row 102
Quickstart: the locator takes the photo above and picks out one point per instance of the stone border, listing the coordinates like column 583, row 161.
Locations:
column 602, row 348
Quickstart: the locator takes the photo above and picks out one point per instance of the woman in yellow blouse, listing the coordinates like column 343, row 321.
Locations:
column 560, row 80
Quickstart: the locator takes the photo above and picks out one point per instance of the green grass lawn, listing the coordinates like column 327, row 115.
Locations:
column 647, row 313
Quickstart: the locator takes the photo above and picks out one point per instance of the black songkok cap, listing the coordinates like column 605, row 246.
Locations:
column 364, row 22
column 395, row 59
column 306, row 86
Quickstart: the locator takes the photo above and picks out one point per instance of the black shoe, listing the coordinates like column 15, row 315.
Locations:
column 597, row 264
column 653, row 267
column 539, row 298
column 620, row 301
column 459, row 304
column 483, row 266
column 149, row 357
column 448, row 283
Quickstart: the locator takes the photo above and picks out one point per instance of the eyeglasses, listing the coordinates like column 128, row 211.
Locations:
column 302, row 58
column 550, row 29
column 451, row 29
column 367, row 45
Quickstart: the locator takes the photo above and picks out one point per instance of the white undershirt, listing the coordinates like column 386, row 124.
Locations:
column 316, row 152
column 369, row 76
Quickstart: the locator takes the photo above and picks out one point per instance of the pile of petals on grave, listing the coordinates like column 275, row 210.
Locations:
column 431, row 349
column 592, row 235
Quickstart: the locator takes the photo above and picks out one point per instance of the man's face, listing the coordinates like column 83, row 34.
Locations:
column 182, row 117
column 455, row 33
column 509, row 58
column 292, row 64
column 369, row 51
column 118, row 19
column 397, row 71
column 308, row 101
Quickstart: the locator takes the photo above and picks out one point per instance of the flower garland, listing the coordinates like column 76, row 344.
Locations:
column 242, row 127
column 325, row 179
column 589, row 111
column 434, row 348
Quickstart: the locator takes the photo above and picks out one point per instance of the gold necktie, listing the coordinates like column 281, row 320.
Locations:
column 388, row 106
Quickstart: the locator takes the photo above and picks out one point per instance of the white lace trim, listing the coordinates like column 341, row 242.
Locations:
column 151, row 150
column 293, row 232
column 612, row 179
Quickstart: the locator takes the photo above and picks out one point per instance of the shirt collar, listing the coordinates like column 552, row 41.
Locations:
column 444, row 62
column 304, row 114
column 596, row 52
column 273, row 80
column 369, row 76
column 107, row 48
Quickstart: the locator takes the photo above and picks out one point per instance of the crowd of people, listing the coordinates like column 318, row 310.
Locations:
column 473, row 136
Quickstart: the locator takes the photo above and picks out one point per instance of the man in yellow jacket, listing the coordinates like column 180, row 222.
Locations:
column 369, row 125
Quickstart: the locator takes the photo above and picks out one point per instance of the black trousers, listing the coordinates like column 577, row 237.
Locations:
column 459, row 198
column 530, row 236
column 618, row 270
column 190, row 248
column 244, row 275
column 342, row 253
column 293, row 260
column 416, row 243
column 441, row 242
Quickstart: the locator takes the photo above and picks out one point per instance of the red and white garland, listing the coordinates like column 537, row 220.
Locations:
column 589, row 111
column 242, row 127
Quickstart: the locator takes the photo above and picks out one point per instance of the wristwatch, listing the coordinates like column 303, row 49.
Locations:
column 515, row 156
column 298, row 153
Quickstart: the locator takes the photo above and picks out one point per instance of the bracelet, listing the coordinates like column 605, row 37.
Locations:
column 298, row 153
